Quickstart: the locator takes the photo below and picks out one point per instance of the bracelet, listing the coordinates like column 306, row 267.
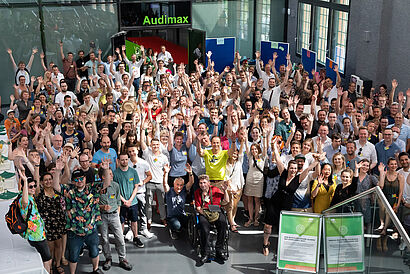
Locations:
column 37, row 165
column 190, row 174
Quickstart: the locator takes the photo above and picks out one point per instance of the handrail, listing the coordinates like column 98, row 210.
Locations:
column 386, row 204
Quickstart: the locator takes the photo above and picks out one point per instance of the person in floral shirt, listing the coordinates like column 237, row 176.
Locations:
column 83, row 214
column 35, row 233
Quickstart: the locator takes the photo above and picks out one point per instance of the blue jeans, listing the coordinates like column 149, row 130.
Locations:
column 175, row 223
column 136, row 85
column 75, row 243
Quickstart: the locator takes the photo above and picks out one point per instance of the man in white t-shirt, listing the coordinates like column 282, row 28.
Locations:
column 405, row 170
column 144, row 173
column 59, row 99
column 156, row 161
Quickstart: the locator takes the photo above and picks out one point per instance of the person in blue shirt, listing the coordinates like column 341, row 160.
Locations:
column 105, row 152
column 386, row 149
column 175, row 197
column 214, row 125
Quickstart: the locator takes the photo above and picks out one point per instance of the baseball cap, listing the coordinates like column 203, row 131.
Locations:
column 69, row 145
column 77, row 173
column 10, row 111
column 300, row 156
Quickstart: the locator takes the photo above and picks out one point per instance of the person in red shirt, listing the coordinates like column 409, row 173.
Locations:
column 205, row 196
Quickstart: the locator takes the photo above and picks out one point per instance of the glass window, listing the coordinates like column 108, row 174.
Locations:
column 20, row 29
column 305, row 15
column 86, row 24
column 226, row 19
column 329, row 35
column 339, row 36
column 321, row 29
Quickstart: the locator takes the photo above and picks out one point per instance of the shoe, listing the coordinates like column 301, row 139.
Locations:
column 64, row 261
column 173, row 234
column 124, row 264
column 205, row 259
column 138, row 242
column 220, row 256
column 147, row 234
column 107, row 264
column 129, row 235
column 97, row 271
column 265, row 249
column 248, row 223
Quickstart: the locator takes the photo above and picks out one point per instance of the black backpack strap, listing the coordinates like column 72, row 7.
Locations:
column 30, row 208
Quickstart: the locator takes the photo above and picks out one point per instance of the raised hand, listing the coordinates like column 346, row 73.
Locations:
column 34, row 50
column 123, row 47
column 60, row 163
column 336, row 68
column 167, row 168
column 381, row 168
column 257, row 54
column 188, row 168
column 209, row 54
column 9, row 51
column 340, row 91
column 42, row 55
column 394, row 83
column 105, row 163
column 275, row 55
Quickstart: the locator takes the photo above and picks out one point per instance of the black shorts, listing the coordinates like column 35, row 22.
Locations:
column 129, row 213
column 42, row 248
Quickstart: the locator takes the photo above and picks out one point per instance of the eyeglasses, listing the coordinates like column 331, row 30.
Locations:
column 32, row 186
column 360, row 150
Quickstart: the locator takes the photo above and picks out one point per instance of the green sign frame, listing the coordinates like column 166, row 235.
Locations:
column 299, row 241
column 344, row 242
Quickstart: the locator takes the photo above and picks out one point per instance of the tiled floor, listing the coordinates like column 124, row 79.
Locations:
column 163, row 255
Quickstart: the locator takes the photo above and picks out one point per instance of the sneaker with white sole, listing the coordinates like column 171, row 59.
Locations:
column 147, row 234
column 129, row 236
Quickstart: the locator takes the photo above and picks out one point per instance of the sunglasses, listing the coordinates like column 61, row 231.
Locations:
column 32, row 186
column 78, row 179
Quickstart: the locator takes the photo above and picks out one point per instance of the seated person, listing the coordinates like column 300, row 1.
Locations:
column 205, row 196
column 175, row 198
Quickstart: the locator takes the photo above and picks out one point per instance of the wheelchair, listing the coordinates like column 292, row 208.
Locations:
column 195, row 237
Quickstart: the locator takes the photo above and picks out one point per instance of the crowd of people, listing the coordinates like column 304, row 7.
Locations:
column 97, row 142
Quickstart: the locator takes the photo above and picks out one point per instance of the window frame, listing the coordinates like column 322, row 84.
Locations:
column 333, row 6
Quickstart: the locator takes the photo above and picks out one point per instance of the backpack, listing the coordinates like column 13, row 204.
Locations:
column 15, row 221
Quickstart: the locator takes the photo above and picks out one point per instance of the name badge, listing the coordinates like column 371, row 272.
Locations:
column 112, row 196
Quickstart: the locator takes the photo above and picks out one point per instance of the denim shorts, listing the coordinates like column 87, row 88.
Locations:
column 75, row 244
column 129, row 213
column 42, row 248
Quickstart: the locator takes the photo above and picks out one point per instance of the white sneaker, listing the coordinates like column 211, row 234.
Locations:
column 147, row 234
column 129, row 236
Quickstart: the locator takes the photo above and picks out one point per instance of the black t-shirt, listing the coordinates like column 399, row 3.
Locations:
column 89, row 175
column 80, row 63
column 342, row 194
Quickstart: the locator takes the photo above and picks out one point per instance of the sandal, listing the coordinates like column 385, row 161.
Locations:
column 234, row 229
column 248, row 223
column 64, row 261
column 256, row 223
column 60, row 269
column 265, row 249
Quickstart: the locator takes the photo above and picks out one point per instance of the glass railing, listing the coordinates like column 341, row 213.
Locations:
column 365, row 234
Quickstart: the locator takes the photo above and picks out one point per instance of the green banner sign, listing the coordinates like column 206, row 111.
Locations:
column 344, row 242
column 299, row 241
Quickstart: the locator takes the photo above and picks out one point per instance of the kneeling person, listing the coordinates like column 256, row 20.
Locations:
column 175, row 198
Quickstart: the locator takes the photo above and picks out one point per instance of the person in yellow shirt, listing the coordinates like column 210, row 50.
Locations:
column 323, row 189
column 215, row 160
